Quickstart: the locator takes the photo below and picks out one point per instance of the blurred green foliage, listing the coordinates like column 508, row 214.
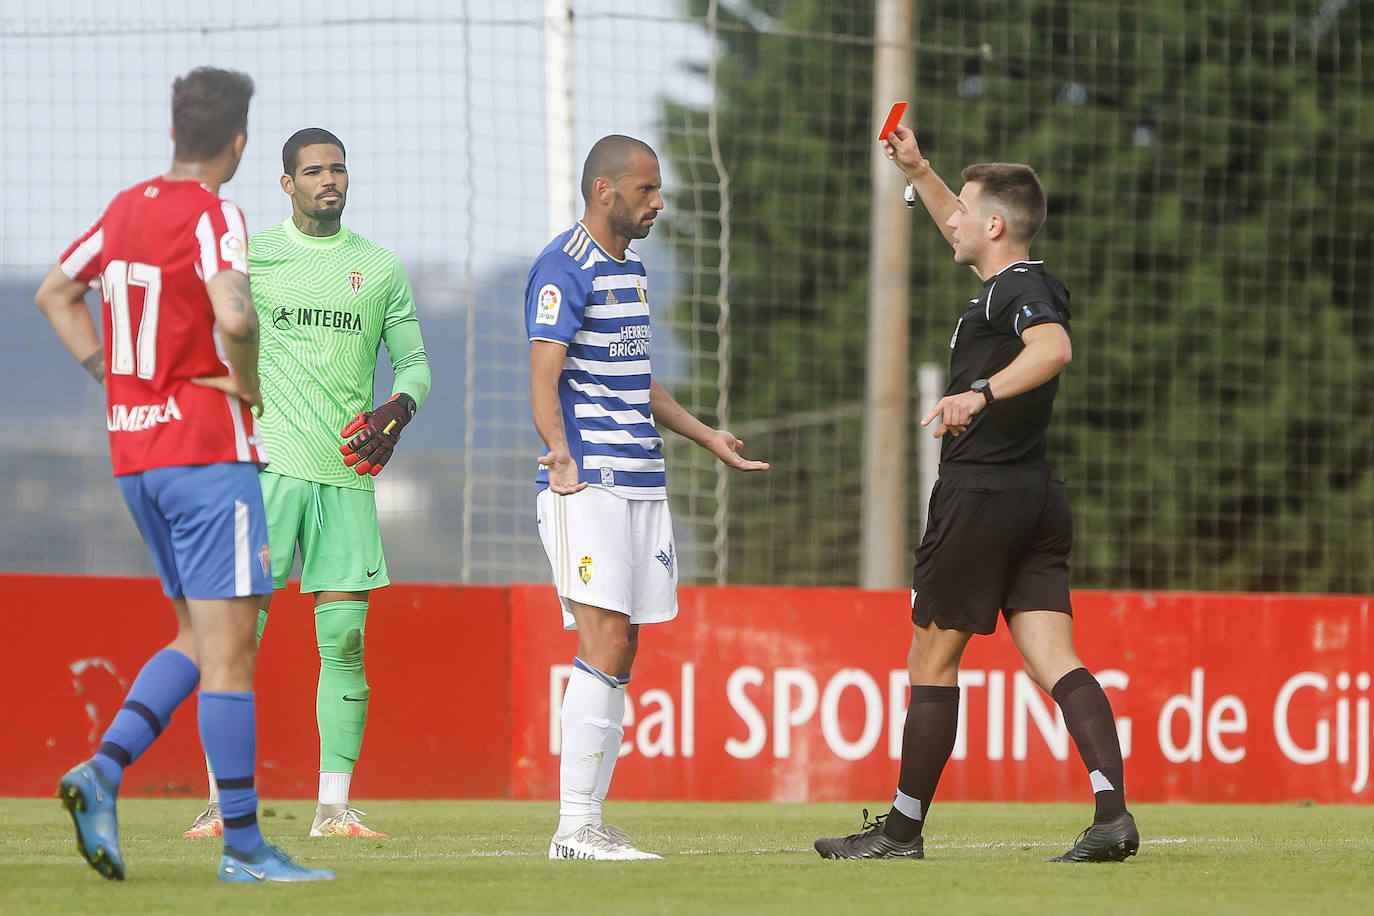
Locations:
column 1211, row 182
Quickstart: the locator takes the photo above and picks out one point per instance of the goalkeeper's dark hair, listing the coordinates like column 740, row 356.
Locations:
column 610, row 158
column 209, row 108
column 308, row 136
column 1015, row 191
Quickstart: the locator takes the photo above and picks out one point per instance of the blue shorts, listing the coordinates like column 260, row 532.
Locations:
column 206, row 527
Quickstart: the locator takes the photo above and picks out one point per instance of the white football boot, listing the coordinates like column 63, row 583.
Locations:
column 589, row 842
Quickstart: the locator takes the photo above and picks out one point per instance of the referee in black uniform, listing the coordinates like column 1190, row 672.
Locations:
column 1000, row 528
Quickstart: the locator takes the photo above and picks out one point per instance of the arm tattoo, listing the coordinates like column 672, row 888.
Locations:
column 240, row 301
column 559, row 427
column 95, row 366
column 241, row 294
column 249, row 335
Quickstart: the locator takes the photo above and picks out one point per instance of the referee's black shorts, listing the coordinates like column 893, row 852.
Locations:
column 997, row 540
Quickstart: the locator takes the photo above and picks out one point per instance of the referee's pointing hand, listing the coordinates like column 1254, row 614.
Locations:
column 956, row 412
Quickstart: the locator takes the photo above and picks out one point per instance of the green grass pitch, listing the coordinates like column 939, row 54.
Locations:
column 491, row 856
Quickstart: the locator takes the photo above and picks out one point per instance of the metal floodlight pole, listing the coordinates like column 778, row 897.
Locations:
column 558, row 114
column 883, row 519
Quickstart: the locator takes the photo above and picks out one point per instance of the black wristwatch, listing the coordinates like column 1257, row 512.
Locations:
column 981, row 386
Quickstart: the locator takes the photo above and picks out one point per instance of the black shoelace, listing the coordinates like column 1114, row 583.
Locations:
column 873, row 826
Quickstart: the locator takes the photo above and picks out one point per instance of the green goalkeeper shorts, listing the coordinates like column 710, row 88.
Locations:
column 336, row 529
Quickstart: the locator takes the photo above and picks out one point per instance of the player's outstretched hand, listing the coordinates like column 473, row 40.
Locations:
column 375, row 434
column 563, row 476
column 900, row 146
column 725, row 446
column 233, row 385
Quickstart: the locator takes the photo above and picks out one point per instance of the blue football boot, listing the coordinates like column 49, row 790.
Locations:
column 90, row 799
column 267, row 864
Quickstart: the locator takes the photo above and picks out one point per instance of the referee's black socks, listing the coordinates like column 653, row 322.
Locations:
column 1088, row 716
column 932, row 721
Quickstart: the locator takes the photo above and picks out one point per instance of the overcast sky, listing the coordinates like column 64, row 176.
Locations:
column 441, row 106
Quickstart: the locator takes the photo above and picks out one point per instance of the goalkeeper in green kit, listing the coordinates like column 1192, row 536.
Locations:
column 327, row 298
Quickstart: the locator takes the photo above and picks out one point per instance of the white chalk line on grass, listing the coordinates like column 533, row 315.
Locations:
column 776, row 850
column 936, row 846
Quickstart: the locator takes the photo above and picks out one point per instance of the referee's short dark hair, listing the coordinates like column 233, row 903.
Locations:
column 309, row 136
column 1016, row 191
column 209, row 107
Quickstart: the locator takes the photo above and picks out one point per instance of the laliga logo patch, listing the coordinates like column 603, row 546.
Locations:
column 231, row 248
column 355, row 280
column 265, row 559
column 549, row 302
column 587, row 570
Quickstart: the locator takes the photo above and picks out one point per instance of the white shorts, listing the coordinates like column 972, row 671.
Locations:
column 610, row 553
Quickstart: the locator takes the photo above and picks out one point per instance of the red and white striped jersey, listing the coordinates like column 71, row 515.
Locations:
column 151, row 253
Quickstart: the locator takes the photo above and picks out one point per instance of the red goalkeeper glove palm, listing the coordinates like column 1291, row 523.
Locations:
column 375, row 434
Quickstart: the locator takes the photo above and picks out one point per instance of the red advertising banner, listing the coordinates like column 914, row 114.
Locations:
column 437, row 661
column 800, row 694
column 752, row 693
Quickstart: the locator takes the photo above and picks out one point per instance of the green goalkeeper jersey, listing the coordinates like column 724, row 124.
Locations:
column 325, row 305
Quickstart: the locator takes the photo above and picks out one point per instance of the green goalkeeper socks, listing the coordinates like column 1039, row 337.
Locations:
column 342, row 695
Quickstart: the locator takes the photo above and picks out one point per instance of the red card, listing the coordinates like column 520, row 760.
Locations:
column 893, row 117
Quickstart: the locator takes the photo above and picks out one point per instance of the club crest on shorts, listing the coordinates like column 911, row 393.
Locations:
column 265, row 559
column 355, row 280
column 587, row 570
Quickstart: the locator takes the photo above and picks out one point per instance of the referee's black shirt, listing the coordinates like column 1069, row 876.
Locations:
column 987, row 338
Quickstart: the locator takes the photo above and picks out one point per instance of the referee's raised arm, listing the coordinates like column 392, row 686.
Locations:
column 900, row 146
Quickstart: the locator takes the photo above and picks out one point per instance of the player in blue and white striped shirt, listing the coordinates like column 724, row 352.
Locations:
column 597, row 307
column 602, row 504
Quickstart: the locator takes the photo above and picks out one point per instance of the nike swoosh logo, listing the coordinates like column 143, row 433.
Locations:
column 374, row 572
column 260, row 875
column 355, row 699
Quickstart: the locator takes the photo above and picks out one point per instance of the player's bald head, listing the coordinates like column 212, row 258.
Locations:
column 611, row 157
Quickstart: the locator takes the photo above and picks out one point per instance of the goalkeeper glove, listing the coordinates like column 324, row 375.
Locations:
column 375, row 434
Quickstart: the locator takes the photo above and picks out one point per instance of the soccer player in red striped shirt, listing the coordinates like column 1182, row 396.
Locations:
column 179, row 364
